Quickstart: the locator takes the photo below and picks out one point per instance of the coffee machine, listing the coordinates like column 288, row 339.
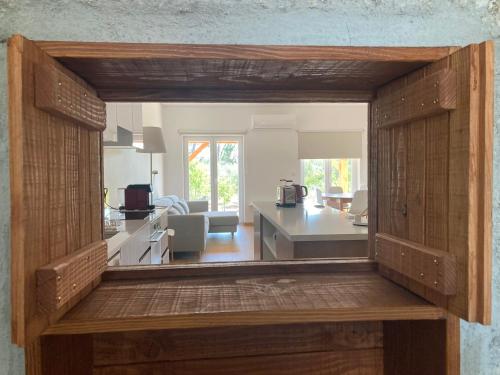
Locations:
column 137, row 201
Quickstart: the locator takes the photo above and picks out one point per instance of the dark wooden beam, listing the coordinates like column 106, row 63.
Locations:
column 223, row 95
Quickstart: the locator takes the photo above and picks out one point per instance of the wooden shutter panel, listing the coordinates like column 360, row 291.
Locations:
column 431, row 151
column 55, row 121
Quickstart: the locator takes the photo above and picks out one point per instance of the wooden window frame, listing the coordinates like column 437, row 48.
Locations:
column 69, row 53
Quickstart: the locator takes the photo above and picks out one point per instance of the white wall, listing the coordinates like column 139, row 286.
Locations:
column 269, row 154
column 124, row 166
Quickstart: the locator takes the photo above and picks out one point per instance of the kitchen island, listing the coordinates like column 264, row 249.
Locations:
column 306, row 231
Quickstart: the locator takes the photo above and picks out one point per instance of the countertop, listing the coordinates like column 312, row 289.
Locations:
column 308, row 223
column 126, row 228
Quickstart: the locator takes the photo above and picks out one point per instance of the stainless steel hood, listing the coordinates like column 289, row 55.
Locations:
column 125, row 139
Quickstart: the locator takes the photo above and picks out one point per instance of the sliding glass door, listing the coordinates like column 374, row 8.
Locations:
column 213, row 170
column 199, row 170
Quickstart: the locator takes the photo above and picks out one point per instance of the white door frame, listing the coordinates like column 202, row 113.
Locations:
column 212, row 139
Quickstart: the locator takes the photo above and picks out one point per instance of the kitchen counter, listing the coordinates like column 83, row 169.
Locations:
column 306, row 231
column 308, row 223
column 127, row 229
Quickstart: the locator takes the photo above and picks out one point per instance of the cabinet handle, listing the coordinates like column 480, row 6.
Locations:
column 144, row 255
column 119, row 252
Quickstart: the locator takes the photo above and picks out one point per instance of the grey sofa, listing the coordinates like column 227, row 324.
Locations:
column 192, row 222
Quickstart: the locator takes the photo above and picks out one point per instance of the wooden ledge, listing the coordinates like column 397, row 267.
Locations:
column 240, row 268
column 218, row 301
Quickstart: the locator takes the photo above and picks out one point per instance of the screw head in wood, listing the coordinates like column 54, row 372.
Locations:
column 403, row 99
column 436, row 283
column 402, row 253
column 59, row 99
column 59, row 278
column 422, row 275
column 85, row 94
column 59, row 83
column 74, row 286
column 436, row 84
column 422, row 105
column 436, row 262
column 435, row 101
column 59, row 299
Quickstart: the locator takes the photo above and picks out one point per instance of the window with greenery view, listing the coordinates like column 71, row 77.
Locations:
column 325, row 173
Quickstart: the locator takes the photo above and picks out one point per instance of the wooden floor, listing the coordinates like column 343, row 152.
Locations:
column 221, row 247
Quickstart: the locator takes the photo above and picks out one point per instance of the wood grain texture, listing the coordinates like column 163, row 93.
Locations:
column 447, row 193
column 415, row 347
column 16, row 169
column 61, row 280
column 60, row 49
column 161, row 72
column 199, row 302
column 355, row 362
column 181, row 344
column 452, row 345
column 58, row 93
column 33, row 358
column 239, row 269
column 230, row 95
column 373, row 165
column 330, row 249
column 431, row 267
column 237, row 74
column 45, row 175
column 485, row 172
column 398, row 183
column 428, row 96
column 66, row 355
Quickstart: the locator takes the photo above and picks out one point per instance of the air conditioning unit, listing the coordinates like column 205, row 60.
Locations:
column 274, row 121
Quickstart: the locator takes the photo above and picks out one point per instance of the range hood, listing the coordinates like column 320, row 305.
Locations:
column 125, row 139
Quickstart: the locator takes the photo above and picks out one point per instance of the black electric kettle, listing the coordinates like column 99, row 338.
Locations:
column 300, row 192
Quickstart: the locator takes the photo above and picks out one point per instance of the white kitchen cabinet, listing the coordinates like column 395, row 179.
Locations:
column 110, row 134
column 129, row 116
column 135, row 247
column 125, row 115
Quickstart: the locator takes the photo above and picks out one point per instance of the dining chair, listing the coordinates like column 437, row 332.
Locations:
column 359, row 204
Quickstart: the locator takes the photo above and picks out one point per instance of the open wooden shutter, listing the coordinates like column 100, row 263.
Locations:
column 431, row 154
column 55, row 121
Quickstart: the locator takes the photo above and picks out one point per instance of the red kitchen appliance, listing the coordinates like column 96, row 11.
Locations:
column 137, row 203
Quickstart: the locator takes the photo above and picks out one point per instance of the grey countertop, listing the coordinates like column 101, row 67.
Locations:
column 309, row 223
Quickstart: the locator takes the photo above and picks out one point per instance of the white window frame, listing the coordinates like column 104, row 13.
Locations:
column 213, row 139
column 356, row 174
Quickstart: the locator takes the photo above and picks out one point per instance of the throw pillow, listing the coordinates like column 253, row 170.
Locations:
column 173, row 211
column 184, row 205
column 179, row 208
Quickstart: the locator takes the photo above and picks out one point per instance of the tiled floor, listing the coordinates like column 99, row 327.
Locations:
column 221, row 247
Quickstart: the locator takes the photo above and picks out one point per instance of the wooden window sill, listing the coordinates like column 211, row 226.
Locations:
column 292, row 294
